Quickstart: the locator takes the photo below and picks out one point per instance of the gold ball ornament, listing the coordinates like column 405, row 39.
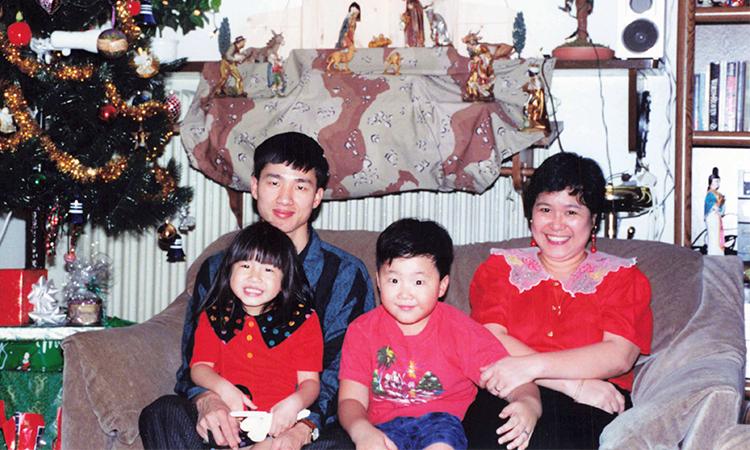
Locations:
column 166, row 234
column 112, row 43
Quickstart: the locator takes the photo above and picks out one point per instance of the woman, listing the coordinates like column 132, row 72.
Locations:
column 573, row 320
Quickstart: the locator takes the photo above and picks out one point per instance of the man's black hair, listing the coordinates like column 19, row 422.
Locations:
column 581, row 177
column 407, row 238
column 297, row 150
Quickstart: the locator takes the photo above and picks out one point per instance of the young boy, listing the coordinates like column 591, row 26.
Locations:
column 409, row 367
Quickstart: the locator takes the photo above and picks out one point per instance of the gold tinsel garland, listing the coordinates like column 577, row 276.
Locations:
column 32, row 67
column 65, row 162
column 127, row 24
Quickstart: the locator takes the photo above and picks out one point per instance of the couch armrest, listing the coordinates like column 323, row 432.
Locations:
column 110, row 375
column 692, row 390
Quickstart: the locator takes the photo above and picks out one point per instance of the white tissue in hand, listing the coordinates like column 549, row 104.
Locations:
column 257, row 424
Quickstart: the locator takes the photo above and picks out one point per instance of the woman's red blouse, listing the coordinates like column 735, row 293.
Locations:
column 605, row 293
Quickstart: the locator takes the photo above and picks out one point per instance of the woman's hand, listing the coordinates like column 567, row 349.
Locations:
column 600, row 394
column 284, row 415
column 516, row 432
column 503, row 376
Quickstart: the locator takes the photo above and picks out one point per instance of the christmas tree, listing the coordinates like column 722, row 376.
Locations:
column 84, row 128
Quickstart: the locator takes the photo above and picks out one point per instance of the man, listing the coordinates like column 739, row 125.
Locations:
column 289, row 177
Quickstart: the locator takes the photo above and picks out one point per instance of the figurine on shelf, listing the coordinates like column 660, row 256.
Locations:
column 713, row 211
column 438, row 27
column 263, row 54
column 228, row 68
column 339, row 60
column 393, row 64
column 379, row 41
column 580, row 45
column 481, row 83
column 413, row 22
column 349, row 26
column 535, row 110
column 276, row 76
column 474, row 43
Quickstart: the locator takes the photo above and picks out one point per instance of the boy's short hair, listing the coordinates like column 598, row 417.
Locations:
column 407, row 238
column 297, row 150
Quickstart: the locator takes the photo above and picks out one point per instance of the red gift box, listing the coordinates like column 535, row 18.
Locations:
column 15, row 286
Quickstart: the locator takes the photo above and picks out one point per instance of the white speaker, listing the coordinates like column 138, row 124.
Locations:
column 640, row 29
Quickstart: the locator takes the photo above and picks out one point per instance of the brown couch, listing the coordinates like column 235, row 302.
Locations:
column 688, row 392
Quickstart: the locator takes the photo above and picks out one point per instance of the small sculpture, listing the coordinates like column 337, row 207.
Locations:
column 413, row 22
column 481, row 82
column 276, row 76
column 228, row 68
column 349, row 26
column 713, row 211
column 393, row 64
column 145, row 63
column 579, row 45
column 535, row 109
column 379, row 41
column 6, row 121
column 438, row 27
column 498, row 51
column 255, row 54
column 339, row 60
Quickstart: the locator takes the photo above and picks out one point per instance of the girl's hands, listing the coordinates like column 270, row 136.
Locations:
column 285, row 414
column 516, row 432
column 235, row 399
column 600, row 394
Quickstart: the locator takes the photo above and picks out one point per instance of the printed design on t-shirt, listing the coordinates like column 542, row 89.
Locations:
column 527, row 271
column 400, row 381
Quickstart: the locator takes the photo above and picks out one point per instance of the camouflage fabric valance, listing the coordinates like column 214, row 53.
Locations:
column 381, row 133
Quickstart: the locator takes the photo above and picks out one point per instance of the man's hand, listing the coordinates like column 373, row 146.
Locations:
column 213, row 415
column 293, row 438
column 601, row 394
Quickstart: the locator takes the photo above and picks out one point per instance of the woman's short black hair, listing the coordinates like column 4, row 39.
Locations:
column 570, row 172
column 297, row 150
column 408, row 238
column 266, row 244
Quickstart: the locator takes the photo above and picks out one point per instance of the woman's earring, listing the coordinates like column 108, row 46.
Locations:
column 593, row 243
column 532, row 243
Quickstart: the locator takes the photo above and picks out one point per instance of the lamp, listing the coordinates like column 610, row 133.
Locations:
column 630, row 201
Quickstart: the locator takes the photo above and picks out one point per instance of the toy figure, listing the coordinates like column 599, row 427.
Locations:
column 6, row 121
column 579, row 45
column 438, row 27
column 349, row 26
column 481, row 82
column 228, row 68
column 145, row 63
column 379, row 41
column 255, row 54
column 339, row 60
column 713, row 210
column 535, row 108
column 498, row 51
column 413, row 23
column 276, row 76
column 393, row 64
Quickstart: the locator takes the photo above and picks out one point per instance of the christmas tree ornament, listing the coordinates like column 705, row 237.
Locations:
column 107, row 112
column 140, row 98
column 75, row 213
column 47, row 309
column 38, row 180
column 187, row 222
column 112, row 43
column 19, row 32
column 70, row 257
column 133, row 7
column 51, row 229
column 87, row 286
column 147, row 13
column 174, row 106
column 175, row 252
column 141, row 137
column 145, row 64
column 6, row 121
column 50, row 6
column 166, row 234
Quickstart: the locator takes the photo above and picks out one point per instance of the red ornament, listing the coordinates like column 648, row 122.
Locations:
column 133, row 7
column 19, row 33
column 174, row 106
column 107, row 113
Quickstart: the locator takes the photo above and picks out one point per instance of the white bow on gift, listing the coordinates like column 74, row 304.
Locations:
column 257, row 424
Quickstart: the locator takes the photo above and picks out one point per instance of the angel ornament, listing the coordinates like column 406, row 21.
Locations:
column 6, row 121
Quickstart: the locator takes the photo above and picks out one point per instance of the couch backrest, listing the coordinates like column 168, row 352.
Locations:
column 674, row 272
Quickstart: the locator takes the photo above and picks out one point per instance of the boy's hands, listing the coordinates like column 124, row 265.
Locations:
column 373, row 439
column 284, row 415
column 516, row 432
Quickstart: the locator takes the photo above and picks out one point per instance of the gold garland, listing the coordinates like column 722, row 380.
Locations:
column 32, row 67
column 65, row 162
column 127, row 24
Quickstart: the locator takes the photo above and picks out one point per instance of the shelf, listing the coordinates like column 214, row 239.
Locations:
column 721, row 139
column 637, row 64
column 722, row 15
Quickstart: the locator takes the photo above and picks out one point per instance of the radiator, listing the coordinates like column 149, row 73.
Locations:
column 144, row 283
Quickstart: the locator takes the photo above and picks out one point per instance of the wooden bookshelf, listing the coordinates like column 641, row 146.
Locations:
column 713, row 15
column 721, row 139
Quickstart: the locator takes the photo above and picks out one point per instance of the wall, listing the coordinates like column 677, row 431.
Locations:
column 591, row 104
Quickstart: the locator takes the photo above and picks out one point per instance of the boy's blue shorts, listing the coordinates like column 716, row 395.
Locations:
column 431, row 428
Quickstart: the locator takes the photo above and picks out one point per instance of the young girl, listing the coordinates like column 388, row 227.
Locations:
column 258, row 332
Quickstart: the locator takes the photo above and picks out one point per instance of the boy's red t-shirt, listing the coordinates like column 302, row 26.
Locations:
column 409, row 376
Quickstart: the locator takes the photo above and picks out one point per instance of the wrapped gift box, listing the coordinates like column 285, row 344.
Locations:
column 15, row 286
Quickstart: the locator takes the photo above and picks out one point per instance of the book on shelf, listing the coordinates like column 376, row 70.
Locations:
column 713, row 96
column 729, row 122
column 699, row 112
column 741, row 94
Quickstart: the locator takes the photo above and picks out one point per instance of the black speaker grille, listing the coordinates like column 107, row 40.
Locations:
column 640, row 35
